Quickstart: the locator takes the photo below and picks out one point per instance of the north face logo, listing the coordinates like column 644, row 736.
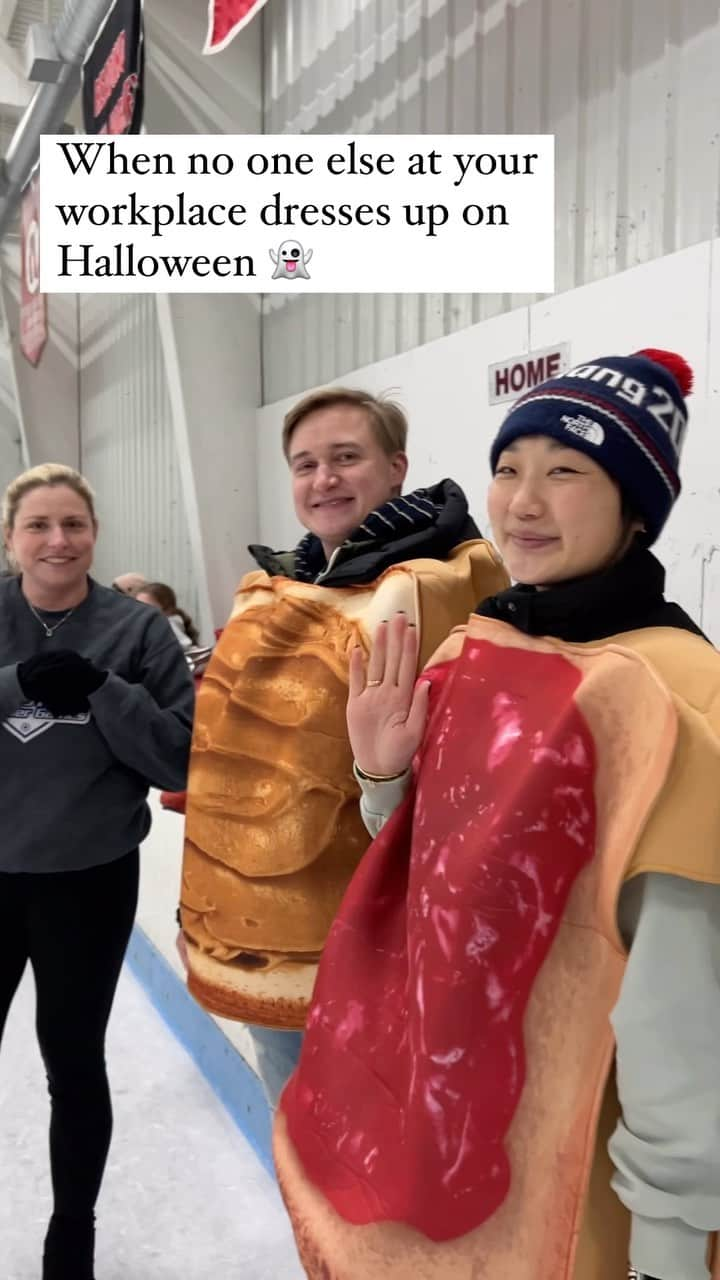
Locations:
column 32, row 719
column 585, row 427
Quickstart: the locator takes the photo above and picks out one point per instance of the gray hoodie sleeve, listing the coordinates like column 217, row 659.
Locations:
column 148, row 726
column 379, row 800
column 667, row 1025
column 11, row 695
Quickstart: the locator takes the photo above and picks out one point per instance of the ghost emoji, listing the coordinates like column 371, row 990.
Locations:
column 291, row 261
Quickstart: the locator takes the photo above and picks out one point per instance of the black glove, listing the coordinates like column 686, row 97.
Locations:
column 62, row 681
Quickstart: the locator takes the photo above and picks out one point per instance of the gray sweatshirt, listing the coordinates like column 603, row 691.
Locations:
column 73, row 791
column 667, row 1028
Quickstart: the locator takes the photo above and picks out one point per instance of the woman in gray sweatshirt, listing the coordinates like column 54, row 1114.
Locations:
column 96, row 705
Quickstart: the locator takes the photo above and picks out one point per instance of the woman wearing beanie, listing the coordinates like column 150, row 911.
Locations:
column 96, row 705
column 510, row 1070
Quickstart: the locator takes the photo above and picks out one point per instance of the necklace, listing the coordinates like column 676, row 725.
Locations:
column 49, row 631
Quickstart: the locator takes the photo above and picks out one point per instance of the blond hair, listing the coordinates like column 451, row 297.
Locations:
column 387, row 420
column 48, row 473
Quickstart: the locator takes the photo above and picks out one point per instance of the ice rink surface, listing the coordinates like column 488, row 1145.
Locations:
column 184, row 1198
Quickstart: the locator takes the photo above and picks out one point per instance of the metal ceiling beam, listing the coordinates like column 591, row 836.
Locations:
column 15, row 91
column 73, row 34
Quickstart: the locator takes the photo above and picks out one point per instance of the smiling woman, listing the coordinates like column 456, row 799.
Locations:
column 556, row 514
column 50, row 532
column 523, row 973
column 96, row 706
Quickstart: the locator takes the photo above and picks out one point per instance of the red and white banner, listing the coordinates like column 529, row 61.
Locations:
column 226, row 18
column 113, row 73
column 33, row 303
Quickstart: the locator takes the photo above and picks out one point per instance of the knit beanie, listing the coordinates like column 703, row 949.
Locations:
column 626, row 412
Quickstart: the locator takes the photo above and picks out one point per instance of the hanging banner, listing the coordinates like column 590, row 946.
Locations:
column 33, row 303
column 113, row 72
column 225, row 19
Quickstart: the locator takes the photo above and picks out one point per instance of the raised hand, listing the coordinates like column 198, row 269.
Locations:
column 387, row 710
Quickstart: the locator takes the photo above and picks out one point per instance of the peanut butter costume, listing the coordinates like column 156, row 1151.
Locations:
column 273, row 830
column 450, row 1115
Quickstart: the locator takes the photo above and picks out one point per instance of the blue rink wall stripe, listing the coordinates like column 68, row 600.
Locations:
column 225, row 1070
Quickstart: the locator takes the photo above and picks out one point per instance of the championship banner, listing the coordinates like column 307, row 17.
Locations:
column 113, row 73
column 225, row 19
column 33, row 303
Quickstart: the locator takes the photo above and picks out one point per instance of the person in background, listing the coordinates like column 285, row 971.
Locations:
column 273, row 831
column 163, row 598
column 96, row 706
column 129, row 583
column 526, row 966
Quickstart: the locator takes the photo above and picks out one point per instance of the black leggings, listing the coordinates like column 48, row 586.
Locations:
column 73, row 927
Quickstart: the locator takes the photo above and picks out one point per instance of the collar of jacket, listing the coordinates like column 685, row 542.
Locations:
column 443, row 524
column 626, row 597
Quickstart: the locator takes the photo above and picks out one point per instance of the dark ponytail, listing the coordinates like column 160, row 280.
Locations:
column 165, row 599
column 190, row 628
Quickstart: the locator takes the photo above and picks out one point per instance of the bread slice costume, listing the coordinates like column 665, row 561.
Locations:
column 273, row 831
column 449, row 1116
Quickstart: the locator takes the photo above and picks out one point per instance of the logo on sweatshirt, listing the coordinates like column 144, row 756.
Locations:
column 32, row 719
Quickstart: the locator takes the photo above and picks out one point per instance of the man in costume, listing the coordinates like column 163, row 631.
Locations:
column 526, row 966
column 273, row 830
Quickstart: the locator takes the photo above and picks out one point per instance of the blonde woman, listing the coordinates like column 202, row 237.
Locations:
column 96, row 705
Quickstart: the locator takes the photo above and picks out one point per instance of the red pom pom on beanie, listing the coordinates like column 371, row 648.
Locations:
column 675, row 364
